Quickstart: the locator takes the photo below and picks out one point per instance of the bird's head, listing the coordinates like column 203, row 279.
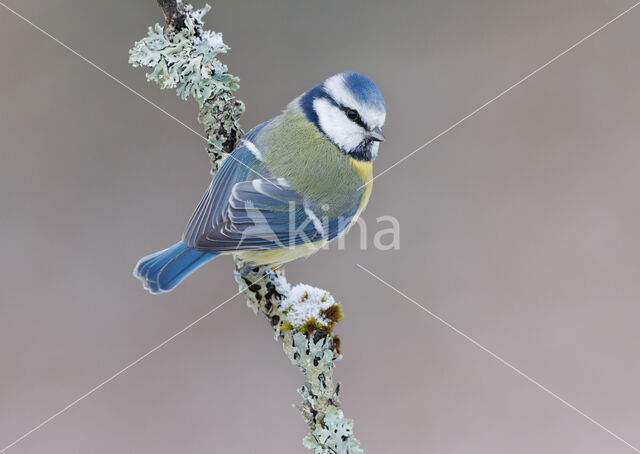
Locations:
column 350, row 110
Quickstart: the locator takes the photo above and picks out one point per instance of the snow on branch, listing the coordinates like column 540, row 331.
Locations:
column 304, row 317
column 182, row 55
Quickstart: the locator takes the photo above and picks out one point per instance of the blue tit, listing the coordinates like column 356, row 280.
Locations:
column 292, row 184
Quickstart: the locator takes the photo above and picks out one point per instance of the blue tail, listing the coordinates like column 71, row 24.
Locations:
column 164, row 270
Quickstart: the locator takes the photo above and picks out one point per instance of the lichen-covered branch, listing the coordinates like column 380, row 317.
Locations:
column 183, row 56
column 304, row 317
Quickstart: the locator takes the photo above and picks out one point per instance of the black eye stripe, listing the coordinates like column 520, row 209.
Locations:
column 356, row 119
column 344, row 109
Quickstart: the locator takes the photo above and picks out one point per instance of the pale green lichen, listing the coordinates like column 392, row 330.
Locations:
column 331, row 432
column 186, row 60
column 314, row 358
column 334, row 436
column 314, row 350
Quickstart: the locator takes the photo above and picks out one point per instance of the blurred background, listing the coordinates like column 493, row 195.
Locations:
column 520, row 228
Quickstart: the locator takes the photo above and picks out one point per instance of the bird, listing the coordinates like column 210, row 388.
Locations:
column 291, row 184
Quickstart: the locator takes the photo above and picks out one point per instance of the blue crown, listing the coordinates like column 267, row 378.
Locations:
column 361, row 87
column 364, row 89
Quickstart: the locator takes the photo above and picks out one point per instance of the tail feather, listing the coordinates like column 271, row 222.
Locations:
column 164, row 270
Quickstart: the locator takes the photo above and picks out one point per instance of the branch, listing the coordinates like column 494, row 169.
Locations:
column 174, row 13
column 304, row 317
column 184, row 57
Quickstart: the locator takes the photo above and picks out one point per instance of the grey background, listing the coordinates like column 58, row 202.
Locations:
column 520, row 228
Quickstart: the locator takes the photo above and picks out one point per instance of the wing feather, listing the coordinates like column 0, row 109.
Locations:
column 269, row 215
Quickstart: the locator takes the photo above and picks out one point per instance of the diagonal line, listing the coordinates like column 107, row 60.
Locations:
column 122, row 371
column 504, row 362
column 119, row 82
column 114, row 376
column 495, row 98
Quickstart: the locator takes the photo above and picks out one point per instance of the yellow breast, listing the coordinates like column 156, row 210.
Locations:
column 364, row 169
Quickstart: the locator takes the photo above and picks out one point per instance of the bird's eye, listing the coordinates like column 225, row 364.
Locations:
column 353, row 115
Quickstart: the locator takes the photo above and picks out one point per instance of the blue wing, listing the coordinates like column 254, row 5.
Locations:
column 268, row 214
column 241, row 165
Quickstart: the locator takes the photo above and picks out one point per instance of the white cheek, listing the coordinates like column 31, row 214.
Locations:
column 342, row 131
column 376, row 117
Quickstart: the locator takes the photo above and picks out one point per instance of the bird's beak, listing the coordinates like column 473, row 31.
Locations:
column 376, row 134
